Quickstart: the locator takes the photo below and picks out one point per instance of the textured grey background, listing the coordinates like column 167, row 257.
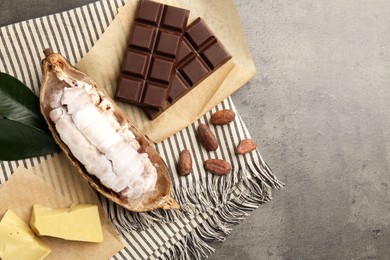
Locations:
column 319, row 110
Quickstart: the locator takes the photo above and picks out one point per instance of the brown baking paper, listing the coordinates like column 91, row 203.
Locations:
column 103, row 64
column 26, row 187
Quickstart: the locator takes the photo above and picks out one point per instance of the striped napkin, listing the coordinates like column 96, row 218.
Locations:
column 210, row 204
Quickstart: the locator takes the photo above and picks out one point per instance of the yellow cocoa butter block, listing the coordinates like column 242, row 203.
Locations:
column 18, row 241
column 79, row 222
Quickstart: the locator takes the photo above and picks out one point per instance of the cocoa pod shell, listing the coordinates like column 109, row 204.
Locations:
column 207, row 138
column 161, row 198
column 217, row 166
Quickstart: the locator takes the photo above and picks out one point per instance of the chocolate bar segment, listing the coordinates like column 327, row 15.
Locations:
column 200, row 54
column 149, row 64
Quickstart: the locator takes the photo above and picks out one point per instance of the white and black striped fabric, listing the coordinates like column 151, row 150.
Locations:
column 210, row 204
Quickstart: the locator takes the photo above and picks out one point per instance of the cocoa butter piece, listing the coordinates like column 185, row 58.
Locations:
column 217, row 167
column 184, row 166
column 222, row 117
column 207, row 138
column 245, row 146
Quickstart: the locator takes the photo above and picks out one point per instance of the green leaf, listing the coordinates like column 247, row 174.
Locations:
column 20, row 141
column 19, row 103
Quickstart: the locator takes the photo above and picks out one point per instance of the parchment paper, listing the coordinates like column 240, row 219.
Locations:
column 104, row 61
column 25, row 189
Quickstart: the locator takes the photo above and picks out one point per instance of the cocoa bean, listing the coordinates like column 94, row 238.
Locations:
column 245, row 146
column 217, row 166
column 184, row 166
column 222, row 117
column 207, row 138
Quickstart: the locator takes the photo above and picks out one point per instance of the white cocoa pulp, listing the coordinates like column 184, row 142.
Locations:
column 107, row 149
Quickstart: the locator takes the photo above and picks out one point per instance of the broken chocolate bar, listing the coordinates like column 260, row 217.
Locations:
column 150, row 59
column 200, row 54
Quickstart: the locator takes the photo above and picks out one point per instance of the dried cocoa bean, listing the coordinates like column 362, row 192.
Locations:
column 184, row 166
column 207, row 138
column 245, row 146
column 217, row 166
column 222, row 117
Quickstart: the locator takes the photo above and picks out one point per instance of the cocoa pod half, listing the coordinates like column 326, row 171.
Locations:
column 217, row 166
column 207, row 138
column 222, row 117
column 55, row 69
column 184, row 166
column 245, row 146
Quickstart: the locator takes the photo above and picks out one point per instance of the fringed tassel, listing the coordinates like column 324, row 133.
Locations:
column 251, row 192
column 263, row 171
column 229, row 199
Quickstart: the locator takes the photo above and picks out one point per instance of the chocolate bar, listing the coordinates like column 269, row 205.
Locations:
column 200, row 54
column 150, row 59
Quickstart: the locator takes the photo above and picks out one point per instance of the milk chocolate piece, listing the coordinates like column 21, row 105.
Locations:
column 200, row 54
column 149, row 65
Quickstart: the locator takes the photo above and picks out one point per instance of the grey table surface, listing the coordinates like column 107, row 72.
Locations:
column 319, row 110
